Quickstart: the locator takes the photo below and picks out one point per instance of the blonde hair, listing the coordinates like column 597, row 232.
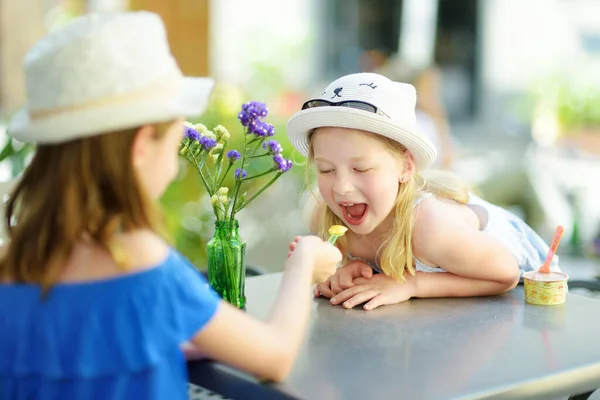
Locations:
column 85, row 188
column 395, row 252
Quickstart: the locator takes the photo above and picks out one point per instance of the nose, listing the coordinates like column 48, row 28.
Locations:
column 342, row 184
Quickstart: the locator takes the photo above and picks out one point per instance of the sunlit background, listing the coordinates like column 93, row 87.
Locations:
column 509, row 89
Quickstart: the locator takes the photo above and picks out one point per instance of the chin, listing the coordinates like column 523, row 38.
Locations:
column 364, row 228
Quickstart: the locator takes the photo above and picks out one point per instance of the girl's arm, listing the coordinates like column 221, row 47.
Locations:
column 429, row 285
column 477, row 263
column 269, row 349
column 382, row 289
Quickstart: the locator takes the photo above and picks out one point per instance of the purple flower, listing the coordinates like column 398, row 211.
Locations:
column 253, row 126
column 252, row 111
column 261, row 129
column 207, row 142
column 233, row 155
column 270, row 129
column 273, row 147
column 244, row 118
column 191, row 133
column 281, row 164
column 240, row 173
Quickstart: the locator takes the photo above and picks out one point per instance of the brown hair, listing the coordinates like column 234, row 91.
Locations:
column 395, row 252
column 82, row 188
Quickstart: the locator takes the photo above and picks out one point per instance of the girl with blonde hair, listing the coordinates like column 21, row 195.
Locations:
column 422, row 232
column 94, row 303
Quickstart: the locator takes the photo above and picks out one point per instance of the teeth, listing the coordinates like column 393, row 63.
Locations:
column 348, row 205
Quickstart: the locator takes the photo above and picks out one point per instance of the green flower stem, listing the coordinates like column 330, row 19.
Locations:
column 205, row 181
column 219, row 163
column 236, row 190
column 238, row 182
column 216, row 210
column 258, row 175
column 209, row 178
column 194, row 161
column 225, row 174
column 259, row 155
column 256, row 148
column 255, row 195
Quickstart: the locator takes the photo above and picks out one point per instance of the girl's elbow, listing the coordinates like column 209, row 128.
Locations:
column 280, row 361
column 280, row 367
column 510, row 279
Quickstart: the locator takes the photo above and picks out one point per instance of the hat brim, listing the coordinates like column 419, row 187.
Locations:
column 189, row 99
column 303, row 122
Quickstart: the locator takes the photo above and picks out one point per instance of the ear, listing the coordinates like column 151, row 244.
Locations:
column 407, row 169
column 140, row 149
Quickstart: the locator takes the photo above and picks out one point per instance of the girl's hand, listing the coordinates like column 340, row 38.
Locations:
column 377, row 291
column 343, row 278
column 325, row 256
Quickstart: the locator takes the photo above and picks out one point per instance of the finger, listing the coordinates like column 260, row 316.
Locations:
column 289, row 254
column 348, row 293
column 375, row 302
column 324, row 290
column 293, row 245
column 297, row 239
column 366, row 271
column 335, row 284
column 360, row 298
column 345, row 280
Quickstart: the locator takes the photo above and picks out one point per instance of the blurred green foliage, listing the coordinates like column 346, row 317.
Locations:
column 575, row 103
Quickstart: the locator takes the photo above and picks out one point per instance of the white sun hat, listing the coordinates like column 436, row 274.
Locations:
column 101, row 73
column 368, row 102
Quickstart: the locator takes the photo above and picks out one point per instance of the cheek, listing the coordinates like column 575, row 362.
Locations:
column 382, row 192
column 324, row 187
column 171, row 167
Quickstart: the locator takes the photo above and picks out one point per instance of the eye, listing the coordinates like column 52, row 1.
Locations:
column 324, row 171
column 362, row 170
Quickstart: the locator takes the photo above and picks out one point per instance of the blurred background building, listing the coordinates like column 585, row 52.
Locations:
column 509, row 89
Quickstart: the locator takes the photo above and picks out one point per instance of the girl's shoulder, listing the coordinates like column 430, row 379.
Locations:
column 129, row 252
column 433, row 217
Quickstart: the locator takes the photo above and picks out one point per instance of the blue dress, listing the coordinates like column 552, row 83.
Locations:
column 117, row 338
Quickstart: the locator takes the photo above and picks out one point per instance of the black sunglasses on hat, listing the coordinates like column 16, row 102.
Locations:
column 359, row 105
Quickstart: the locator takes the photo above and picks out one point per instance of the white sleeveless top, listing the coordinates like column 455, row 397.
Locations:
column 528, row 248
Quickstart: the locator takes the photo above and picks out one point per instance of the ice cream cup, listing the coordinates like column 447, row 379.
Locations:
column 546, row 289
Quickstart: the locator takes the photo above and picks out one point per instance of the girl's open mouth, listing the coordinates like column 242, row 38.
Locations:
column 354, row 213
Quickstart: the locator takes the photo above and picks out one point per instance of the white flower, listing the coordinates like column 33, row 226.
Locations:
column 224, row 199
column 222, row 133
column 201, row 128
column 223, row 190
column 209, row 134
column 214, row 199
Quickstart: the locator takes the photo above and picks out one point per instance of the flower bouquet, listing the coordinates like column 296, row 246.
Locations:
column 208, row 152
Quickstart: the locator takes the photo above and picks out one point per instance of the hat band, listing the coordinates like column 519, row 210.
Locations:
column 168, row 83
column 356, row 104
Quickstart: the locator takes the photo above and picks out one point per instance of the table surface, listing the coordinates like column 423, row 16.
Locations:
column 441, row 348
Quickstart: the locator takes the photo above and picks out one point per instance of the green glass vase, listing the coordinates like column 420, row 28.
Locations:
column 227, row 263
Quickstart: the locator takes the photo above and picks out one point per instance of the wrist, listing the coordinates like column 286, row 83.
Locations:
column 412, row 285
